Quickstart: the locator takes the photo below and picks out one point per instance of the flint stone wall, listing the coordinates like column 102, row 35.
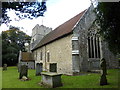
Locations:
column 81, row 30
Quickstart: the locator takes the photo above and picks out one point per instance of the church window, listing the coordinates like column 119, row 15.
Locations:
column 41, row 55
column 98, row 44
column 89, row 51
column 36, row 55
column 48, row 56
column 93, row 47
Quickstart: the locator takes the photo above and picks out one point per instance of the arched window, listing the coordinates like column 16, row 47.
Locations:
column 48, row 56
column 93, row 47
column 41, row 55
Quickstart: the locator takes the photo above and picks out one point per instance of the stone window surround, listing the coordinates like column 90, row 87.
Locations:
column 74, row 38
column 75, row 51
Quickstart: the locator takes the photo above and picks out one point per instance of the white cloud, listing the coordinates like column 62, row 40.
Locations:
column 64, row 10
column 58, row 11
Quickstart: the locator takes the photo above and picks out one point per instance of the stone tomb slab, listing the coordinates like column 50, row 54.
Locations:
column 50, row 79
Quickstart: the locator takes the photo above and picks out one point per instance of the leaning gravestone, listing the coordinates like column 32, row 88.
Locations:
column 103, row 79
column 5, row 67
column 23, row 71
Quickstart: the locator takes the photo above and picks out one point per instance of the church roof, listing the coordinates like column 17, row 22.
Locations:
column 26, row 56
column 62, row 30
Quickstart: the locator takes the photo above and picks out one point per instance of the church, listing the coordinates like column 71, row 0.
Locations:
column 72, row 47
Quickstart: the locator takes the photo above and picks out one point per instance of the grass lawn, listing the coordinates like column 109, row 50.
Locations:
column 91, row 80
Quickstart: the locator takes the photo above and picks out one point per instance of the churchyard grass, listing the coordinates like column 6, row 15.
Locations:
column 91, row 80
column 11, row 79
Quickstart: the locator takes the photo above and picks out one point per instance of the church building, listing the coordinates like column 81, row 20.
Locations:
column 73, row 47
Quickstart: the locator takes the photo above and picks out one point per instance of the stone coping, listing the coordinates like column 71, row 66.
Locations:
column 50, row 74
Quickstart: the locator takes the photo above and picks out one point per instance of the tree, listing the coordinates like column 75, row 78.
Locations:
column 23, row 10
column 13, row 41
column 108, row 18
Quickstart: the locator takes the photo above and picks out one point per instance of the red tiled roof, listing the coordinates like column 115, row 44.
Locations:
column 26, row 56
column 60, row 31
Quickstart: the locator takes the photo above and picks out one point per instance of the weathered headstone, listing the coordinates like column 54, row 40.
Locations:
column 19, row 65
column 39, row 67
column 5, row 67
column 103, row 79
column 23, row 71
column 103, row 66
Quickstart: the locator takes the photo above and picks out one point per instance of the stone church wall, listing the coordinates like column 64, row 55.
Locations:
column 60, row 53
column 70, row 58
column 111, row 59
column 82, row 29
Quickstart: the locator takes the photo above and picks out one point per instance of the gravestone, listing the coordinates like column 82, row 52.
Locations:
column 103, row 66
column 19, row 65
column 103, row 79
column 23, row 71
column 4, row 67
column 39, row 69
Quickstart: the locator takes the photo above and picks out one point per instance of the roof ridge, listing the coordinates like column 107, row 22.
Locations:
column 60, row 31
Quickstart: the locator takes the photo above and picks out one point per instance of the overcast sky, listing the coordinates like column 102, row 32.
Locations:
column 58, row 11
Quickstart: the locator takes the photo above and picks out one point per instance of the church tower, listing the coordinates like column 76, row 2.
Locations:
column 38, row 32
